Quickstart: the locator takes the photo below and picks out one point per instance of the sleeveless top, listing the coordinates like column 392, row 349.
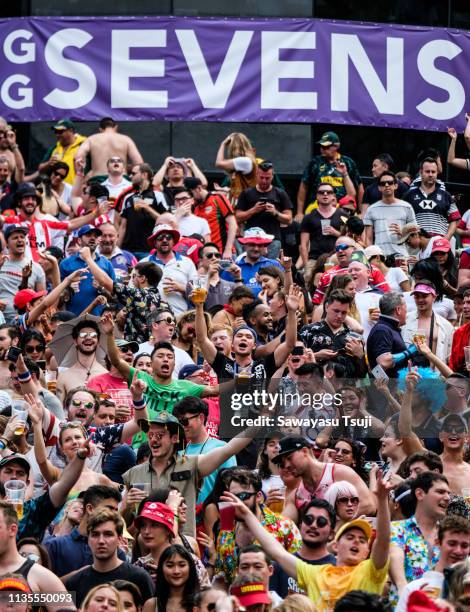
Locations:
column 303, row 495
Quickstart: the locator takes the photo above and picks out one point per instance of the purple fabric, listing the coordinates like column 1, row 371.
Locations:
column 215, row 69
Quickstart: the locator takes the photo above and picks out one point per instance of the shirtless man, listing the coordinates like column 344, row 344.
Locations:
column 296, row 456
column 86, row 337
column 10, row 150
column 453, row 436
column 105, row 145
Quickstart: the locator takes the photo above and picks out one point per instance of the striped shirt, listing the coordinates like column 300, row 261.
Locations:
column 434, row 211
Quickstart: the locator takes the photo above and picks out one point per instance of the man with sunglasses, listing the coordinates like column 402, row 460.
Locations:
column 217, row 211
column 66, row 148
column 245, row 486
column 219, row 289
column 188, row 223
column 320, row 228
column 115, row 182
column 265, row 206
column 344, row 249
column 382, row 217
column 454, row 436
column 161, row 325
column 358, row 565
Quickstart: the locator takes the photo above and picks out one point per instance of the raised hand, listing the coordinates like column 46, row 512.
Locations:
column 138, row 387
column 412, row 378
column 293, row 298
column 107, row 324
column 36, row 408
column 85, row 253
column 452, row 132
column 27, row 270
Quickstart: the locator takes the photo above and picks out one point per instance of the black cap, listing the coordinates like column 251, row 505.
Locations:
column 16, row 458
column 288, row 445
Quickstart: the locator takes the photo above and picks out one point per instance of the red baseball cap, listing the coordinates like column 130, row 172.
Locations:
column 25, row 296
column 348, row 201
column 441, row 244
column 251, row 594
column 157, row 512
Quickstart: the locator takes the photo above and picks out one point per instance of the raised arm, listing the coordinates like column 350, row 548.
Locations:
column 197, row 172
column 207, row 347
column 137, row 390
column 405, row 425
column 161, row 172
column 82, row 153
column 49, row 471
column 208, row 463
column 381, row 545
column 54, row 296
column 98, row 274
column 107, row 328
column 72, row 472
column 220, row 161
column 133, row 152
column 292, row 303
column 273, row 549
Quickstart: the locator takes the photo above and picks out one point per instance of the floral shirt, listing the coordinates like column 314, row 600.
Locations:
column 283, row 529
column 419, row 556
column 138, row 303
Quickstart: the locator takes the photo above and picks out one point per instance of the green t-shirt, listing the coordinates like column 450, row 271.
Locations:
column 162, row 398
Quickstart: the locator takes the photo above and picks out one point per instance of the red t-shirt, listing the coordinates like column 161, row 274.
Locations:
column 115, row 386
column 376, row 279
column 215, row 209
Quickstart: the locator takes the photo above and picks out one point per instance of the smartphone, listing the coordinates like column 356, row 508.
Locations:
column 13, row 353
column 225, row 263
column 264, row 199
column 298, row 350
column 41, row 363
column 379, row 373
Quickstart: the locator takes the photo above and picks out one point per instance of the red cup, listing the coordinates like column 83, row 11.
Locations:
column 227, row 516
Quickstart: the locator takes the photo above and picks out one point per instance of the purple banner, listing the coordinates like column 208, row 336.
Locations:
column 276, row 70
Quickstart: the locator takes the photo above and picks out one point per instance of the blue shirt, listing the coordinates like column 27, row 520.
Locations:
column 249, row 272
column 37, row 514
column 87, row 292
column 71, row 552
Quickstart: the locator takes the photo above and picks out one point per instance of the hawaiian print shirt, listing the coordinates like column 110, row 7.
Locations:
column 283, row 529
column 419, row 556
column 138, row 304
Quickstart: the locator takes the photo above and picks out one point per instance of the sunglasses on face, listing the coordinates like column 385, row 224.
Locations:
column 325, row 192
column 342, row 451
column 115, row 160
column 34, row 349
column 213, row 255
column 244, row 495
column 309, row 520
column 62, row 176
column 156, row 435
column 88, row 335
column 184, row 421
column 164, row 237
column 454, row 429
column 342, row 247
column 167, row 320
column 386, row 183
column 77, row 403
column 348, row 500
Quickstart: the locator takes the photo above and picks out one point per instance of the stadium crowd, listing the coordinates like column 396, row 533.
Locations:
column 215, row 398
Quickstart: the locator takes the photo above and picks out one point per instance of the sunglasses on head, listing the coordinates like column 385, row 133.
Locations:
column 265, row 166
column 342, row 247
column 213, row 255
column 92, row 334
column 184, row 421
column 386, row 183
column 167, row 320
column 77, row 403
column 309, row 520
column 34, row 349
column 71, row 425
column 244, row 495
column 347, row 500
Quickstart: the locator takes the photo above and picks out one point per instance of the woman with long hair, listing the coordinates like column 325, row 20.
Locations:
column 176, row 583
column 240, row 163
column 267, row 470
column 102, row 597
column 56, row 193
column 351, row 453
column 271, row 279
column 441, row 252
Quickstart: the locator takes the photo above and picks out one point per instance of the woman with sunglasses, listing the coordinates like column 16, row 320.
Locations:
column 72, row 437
column 351, row 453
column 176, row 583
column 344, row 498
column 56, row 193
column 33, row 344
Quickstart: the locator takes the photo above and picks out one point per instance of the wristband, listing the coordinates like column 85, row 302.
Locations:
column 24, row 377
column 3, row 444
column 139, row 404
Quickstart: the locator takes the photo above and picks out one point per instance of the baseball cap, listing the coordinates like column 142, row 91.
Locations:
column 256, row 235
column 289, row 445
column 171, row 422
column 359, row 256
column 251, row 594
column 329, row 138
column 14, row 227
column 250, row 329
column 373, row 251
column 361, row 524
column 87, row 229
column 455, row 419
column 16, row 457
column 160, row 229
column 188, row 370
column 63, row 124
column 121, row 343
column 25, row 296
column 158, row 513
column 441, row 244
column 406, row 231
column 348, row 201
column 422, row 288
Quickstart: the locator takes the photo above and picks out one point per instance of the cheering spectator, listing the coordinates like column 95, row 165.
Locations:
column 66, row 149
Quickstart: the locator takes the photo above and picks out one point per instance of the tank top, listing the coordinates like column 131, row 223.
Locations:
column 24, row 569
column 303, row 495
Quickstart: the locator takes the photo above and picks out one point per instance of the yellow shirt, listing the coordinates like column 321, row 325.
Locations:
column 325, row 584
column 67, row 155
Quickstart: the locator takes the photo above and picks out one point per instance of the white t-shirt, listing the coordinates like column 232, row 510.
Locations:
column 191, row 224
column 394, row 277
column 181, row 357
column 364, row 301
column 115, row 190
